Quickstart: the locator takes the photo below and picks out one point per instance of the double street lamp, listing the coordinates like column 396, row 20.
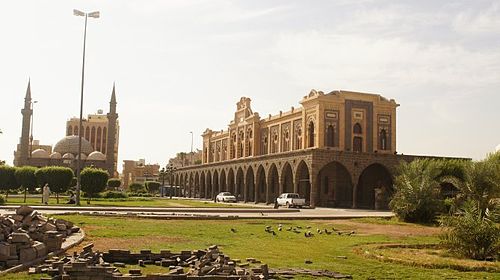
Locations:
column 80, row 128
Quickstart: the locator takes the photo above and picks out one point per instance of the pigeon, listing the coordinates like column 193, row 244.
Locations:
column 298, row 227
column 233, row 230
column 328, row 232
column 308, row 227
column 289, row 229
column 279, row 228
column 273, row 232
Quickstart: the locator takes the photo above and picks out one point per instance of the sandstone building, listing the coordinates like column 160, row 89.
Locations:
column 336, row 150
column 137, row 171
column 65, row 152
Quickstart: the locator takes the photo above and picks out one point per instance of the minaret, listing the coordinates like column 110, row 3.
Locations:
column 25, row 133
column 110, row 145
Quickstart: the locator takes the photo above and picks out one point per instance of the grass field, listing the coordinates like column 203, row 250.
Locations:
column 284, row 250
column 125, row 202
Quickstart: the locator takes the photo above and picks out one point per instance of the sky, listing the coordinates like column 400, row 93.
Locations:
column 180, row 66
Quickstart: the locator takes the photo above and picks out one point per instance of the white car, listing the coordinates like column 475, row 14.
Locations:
column 290, row 200
column 225, row 197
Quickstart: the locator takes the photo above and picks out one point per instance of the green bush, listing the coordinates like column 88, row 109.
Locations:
column 58, row 178
column 152, row 187
column 114, row 183
column 25, row 177
column 93, row 181
column 2, row 200
column 139, row 194
column 136, row 188
column 471, row 233
column 114, row 194
column 416, row 196
column 8, row 179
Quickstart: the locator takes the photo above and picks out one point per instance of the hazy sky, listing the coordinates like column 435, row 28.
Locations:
column 181, row 66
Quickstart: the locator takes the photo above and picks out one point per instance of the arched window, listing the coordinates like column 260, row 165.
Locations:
column 357, row 144
column 311, row 134
column 383, row 139
column 98, row 140
column 357, row 129
column 330, row 136
column 70, row 131
column 104, row 140
column 75, row 130
column 87, row 133
column 92, row 136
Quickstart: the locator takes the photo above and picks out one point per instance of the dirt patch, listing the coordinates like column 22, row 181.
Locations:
column 388, row 230
column 136, row 243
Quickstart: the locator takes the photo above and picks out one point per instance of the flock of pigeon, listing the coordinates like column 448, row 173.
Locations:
column 307, row 231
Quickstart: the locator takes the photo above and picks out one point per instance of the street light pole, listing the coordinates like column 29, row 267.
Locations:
column 80, row 127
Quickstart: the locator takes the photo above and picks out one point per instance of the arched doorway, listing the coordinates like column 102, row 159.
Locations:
column 230, row 181
column 374, row 187
column 202, row 185
column 240, row 185
column 261, row 185
column 249, row 185
column 335, row 186
column 208, row 189
column 196, row 185
column 357, row 141
column 215, row 185
column 223, row 186
column 303, row 182
column 287, row 178
column 272, row 184
column 330, row 136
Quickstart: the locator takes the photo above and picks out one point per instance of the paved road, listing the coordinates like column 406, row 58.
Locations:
column 212, row 213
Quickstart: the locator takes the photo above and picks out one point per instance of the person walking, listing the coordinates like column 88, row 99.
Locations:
column 45, row 194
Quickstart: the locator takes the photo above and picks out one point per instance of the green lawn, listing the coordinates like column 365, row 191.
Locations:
column 285, row 250
column 126, row 202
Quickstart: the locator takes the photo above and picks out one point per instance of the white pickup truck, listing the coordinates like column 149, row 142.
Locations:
column 291, row 200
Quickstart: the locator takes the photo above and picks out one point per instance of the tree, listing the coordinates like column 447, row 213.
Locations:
column 152, row 187
column 58, row 178
column 136, row 188
column 114, row 183
column 7, row 179
column 416, row 197
column 25, row 177
column 93, row 181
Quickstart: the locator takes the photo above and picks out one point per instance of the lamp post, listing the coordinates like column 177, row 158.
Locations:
column 32, row 124
column 163, row 173
column 80, row 127
column 170, row 170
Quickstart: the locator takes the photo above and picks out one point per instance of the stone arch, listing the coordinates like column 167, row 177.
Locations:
column 230, row 181
column 374, row 187
column 239, row 185
column 196, row 193
column 249, row 190
column 272, row 184
column 215, row 185
column 260, row 186
column 330, row 136
column 303, row 187
column 335, row 188
column 203, row 186
column 287, row 179
column 191, row 184
column 223, row 185
column 208, row 184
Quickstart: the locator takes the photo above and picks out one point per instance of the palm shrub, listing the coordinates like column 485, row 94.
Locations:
column 114, row 184
column 417, row 187
column 470, row 232
column 136, row 188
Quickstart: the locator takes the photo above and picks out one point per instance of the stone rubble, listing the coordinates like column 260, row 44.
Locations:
column 27, row 235
column 210, row 263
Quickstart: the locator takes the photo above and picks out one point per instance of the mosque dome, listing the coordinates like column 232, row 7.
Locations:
column 69, row 144
column 83, row 156
column 55, row 155
column 68, row 156
column 96, row 155
column 40, row 153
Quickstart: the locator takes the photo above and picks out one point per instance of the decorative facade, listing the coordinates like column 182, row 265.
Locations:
column 340, row 121
column 335, row 150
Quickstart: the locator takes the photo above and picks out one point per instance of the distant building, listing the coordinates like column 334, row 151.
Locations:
column 65, row 152
column 186, row 159
column 137, row 171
